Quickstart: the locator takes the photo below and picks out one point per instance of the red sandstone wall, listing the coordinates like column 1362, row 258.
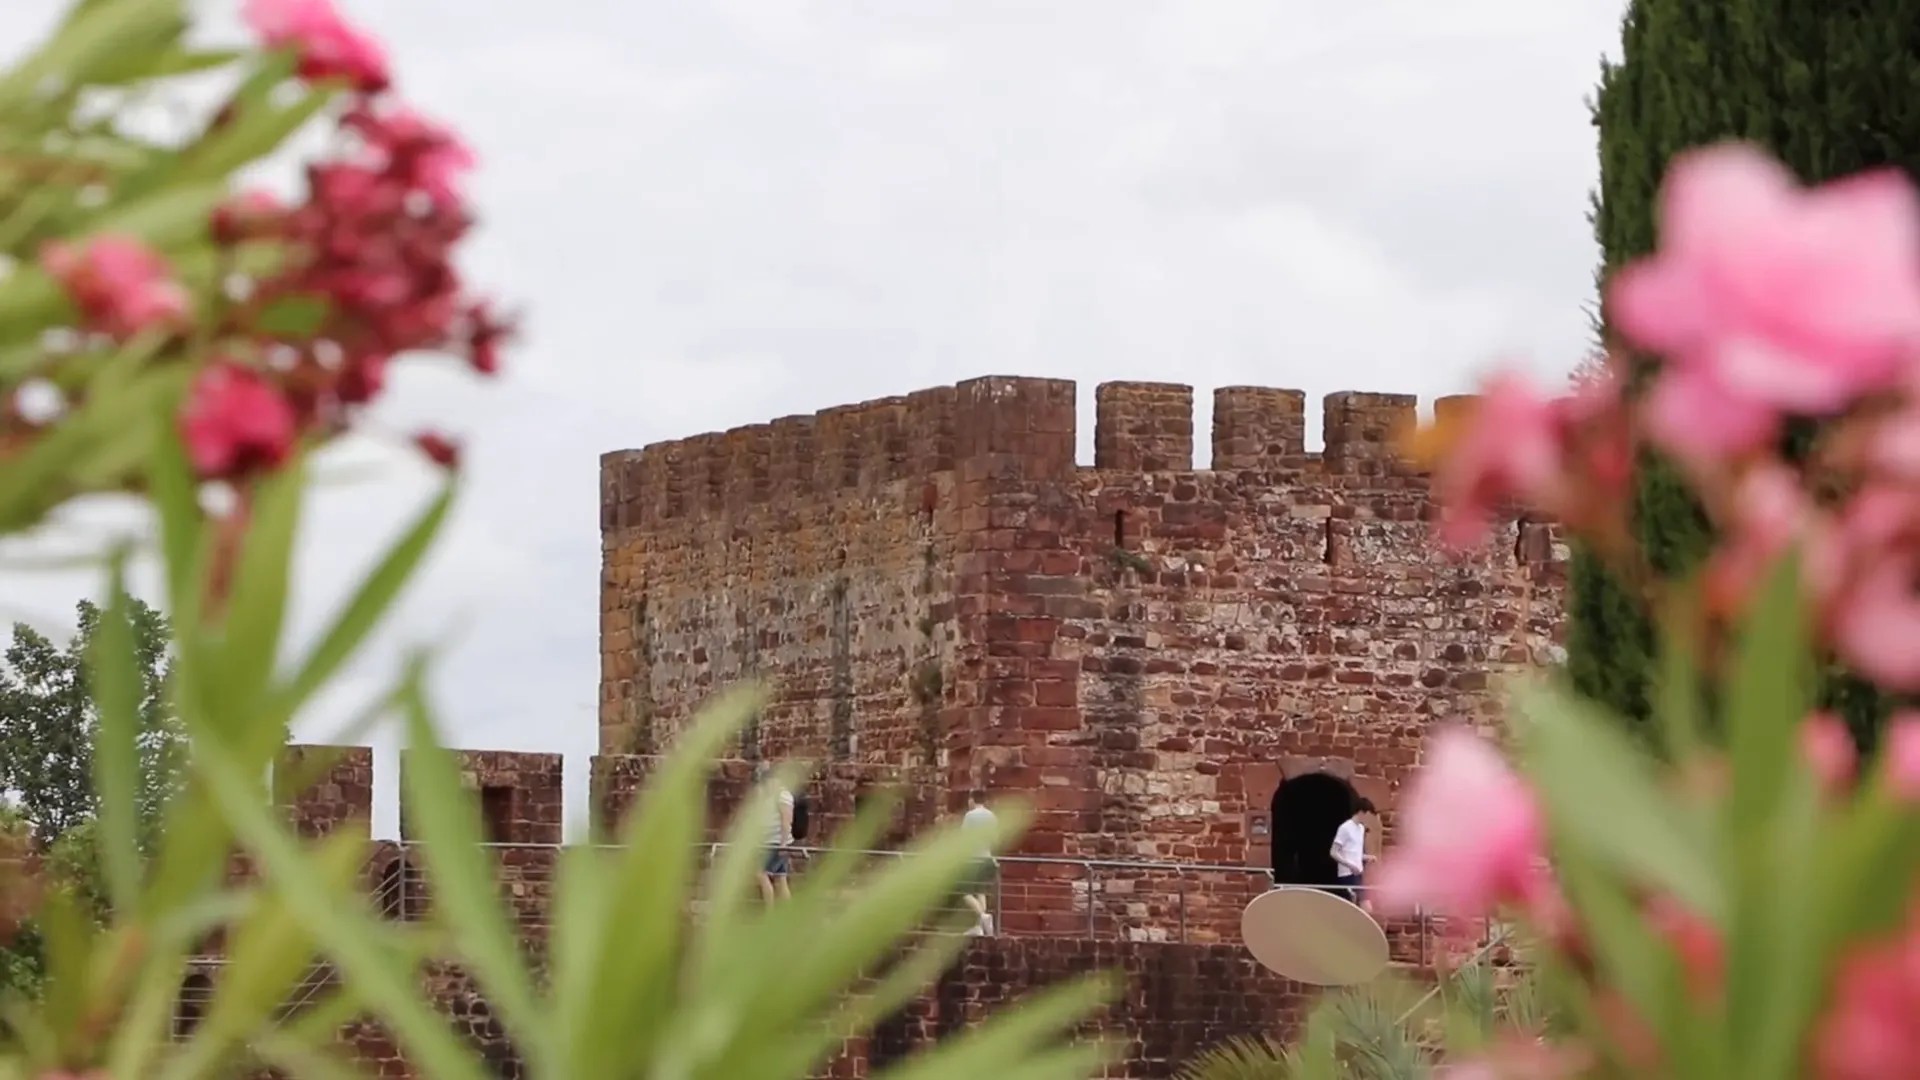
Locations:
column 615, row 782
column 1133, row 646
column 1279, row 605
column 808, row 548
column 1120, row 642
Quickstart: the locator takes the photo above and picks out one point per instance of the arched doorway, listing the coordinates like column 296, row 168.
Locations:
column 1306, row 810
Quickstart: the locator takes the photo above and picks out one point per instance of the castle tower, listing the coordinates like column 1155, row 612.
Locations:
column 933, row 583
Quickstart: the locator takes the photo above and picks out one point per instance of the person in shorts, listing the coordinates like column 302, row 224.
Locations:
column 1350, row 854
column 978, row 882
column 777, row 867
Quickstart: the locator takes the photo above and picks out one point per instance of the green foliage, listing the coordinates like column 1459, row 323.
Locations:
column 1830, row 89
column 1389, row 1030
column 72, row 166
column 48, row 718
column 629, row 983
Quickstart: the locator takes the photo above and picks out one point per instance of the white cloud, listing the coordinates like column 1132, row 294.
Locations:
column 722, row 212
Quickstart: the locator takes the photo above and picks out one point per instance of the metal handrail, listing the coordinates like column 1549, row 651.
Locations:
column 1085, row 894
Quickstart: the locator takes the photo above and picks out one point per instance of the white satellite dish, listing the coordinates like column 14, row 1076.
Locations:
column 1312, row 936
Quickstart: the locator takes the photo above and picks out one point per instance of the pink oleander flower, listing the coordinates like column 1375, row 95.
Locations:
column 1769, row 512
column 1829, row 750
column 1875, row 623
column 1900, row 756
column 247, row 215
column 1869, row 1031
column 1799, row 300
column 235, row 421
column 1695, row 941
column 329, row 47
column 1473, row 837
column 438, row 449
column 120, row 285
column 1698, row 419
column 1512, row 447
column 423, row 155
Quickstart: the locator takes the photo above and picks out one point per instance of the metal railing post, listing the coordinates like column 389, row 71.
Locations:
column 999, row 898
column 1183, row 908
column 1090, row 930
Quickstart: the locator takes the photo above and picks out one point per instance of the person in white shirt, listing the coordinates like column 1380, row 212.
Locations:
column 1350, row 853
column 979, row 880
column 773, row 872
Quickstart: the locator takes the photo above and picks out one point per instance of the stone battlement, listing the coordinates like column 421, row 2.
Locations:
column 1138, row 427
column 934, row 581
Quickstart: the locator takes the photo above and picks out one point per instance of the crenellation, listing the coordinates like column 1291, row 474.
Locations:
column 1143, row 427
column 1360, row 430
column 709, row 465
column 748, row 468
column 616, row 466
column 520, row 794
column 1007, row 427
column 1454, row 407
column 929, row 431
column 325, row 789
column 792, row 442
column 1259, row 428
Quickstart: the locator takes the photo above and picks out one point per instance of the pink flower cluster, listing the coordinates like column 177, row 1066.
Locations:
column 1870, row 1032
column 371, row 246
column 1475, row 843
column 120, row 287
column 1766, row 302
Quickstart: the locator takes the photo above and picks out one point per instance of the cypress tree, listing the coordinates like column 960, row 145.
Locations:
column 1830, row 87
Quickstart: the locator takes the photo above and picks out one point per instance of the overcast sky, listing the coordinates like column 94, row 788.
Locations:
column 721, row 211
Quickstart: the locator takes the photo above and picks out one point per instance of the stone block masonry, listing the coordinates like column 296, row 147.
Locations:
column 933, row 584
column 941, row 597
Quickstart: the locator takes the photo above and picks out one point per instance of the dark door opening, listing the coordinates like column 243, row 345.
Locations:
column 1307, row 810
column 496, row 813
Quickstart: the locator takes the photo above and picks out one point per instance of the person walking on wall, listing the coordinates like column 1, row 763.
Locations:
column 975, row 886
column 1350, row 853
column 775, row 870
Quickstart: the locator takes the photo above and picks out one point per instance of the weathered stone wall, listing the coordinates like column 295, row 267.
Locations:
column 1174, row 1002
column 1135, row 646
column 809, row 549
column 1140, row 648
column 835, row 790
column 1281, row 605
column 325, row 789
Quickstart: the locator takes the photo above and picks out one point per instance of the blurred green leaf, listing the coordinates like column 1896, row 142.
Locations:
column 161, row 63
column 256, row 127
column 1772, row 826
column 292, row 317
column 70, row 939
column 257, row 604
column 95, row 38
column 1769, row 693
column 1677, row 699
column 268, row 957
column 1599, row 790
column 115, row 674
column 340, row 922
column 31, row 482
column 623, row 995
column 370, row 602
column 168, row 218
column 29, row 300
column 1014, row 1042
column 464, row 879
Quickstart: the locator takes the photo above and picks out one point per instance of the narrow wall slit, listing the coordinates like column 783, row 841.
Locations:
column 496, row 813
column 1119, row 528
